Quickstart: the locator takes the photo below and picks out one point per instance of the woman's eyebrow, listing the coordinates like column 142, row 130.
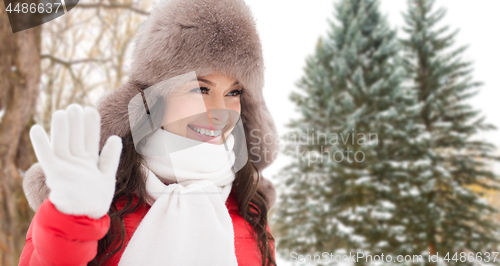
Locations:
column 213, row 84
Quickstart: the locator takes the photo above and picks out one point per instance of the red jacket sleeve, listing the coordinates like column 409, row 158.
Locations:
column 55, row 238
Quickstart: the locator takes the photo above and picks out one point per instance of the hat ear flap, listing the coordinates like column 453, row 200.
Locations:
column 34, row 186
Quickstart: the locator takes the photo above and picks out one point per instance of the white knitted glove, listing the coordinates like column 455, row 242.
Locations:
column 81, row 182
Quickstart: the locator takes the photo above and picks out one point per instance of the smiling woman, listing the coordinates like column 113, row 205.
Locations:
column 204, row 109
column 186, row 188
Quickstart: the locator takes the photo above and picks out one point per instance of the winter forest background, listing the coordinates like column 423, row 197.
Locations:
column 337, row 71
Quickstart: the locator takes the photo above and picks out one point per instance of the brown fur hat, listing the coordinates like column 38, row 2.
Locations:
column 180, row 36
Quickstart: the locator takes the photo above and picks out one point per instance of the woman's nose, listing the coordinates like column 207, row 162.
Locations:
column 218, row 115
column 217, row 109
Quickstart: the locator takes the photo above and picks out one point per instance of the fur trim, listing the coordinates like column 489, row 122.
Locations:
column 181, row 36
column 34, row 186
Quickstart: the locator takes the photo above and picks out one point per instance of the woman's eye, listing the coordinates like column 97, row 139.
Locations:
column 236, row 92
column 200, row 90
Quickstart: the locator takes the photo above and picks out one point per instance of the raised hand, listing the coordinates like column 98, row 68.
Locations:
column 81, row 182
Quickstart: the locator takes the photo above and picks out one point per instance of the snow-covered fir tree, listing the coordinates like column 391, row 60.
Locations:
column 351, row 184
column 454, row 218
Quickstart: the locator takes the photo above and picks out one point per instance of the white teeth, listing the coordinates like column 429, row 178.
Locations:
column 208, row 132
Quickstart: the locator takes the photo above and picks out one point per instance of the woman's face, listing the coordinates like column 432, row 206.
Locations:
column 204, row 110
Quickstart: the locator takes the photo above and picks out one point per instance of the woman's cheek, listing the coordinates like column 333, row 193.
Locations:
column 179, row 109
column 234, row 105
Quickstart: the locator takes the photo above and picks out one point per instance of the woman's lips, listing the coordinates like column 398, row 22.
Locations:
column 213, row 127
column 204, row 137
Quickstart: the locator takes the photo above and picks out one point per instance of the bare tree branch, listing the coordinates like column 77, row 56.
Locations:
column 110, row 6
column 74, row 62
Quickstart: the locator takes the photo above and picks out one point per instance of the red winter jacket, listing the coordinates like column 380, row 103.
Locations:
column 55, row 238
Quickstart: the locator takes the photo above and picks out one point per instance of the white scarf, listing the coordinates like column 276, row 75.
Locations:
column 188, row 223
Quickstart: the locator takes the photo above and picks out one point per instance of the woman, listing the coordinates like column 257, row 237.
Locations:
column 133, row 205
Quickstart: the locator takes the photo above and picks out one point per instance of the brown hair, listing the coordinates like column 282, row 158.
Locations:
column 251, row 200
